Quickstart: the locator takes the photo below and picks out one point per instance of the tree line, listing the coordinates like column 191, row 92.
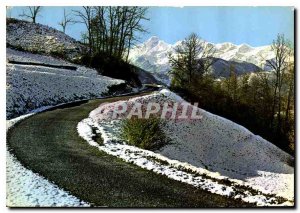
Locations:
column 261, row 101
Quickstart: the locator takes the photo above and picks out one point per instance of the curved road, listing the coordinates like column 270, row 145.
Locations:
column 48, row 143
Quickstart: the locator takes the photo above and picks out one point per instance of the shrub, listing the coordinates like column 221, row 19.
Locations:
column 144, row 133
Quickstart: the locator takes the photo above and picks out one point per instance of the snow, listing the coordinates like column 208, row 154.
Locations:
column 25, row 188
column 36, row 37
column 29, row 87
column 153, row 54
column 244, row 52
column 240, row 154
column 202, row 153
column 21, row 56
column 171, row 95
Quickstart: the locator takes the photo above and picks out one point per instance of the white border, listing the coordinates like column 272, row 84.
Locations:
column 4, row 3
column 177, row 3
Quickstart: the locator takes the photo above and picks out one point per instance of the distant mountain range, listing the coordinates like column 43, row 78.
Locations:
column 152, row 56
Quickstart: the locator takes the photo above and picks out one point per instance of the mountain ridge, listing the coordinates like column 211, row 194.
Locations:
column 152, row 55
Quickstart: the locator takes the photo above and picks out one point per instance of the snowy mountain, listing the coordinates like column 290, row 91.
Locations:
column 153, row 57
column 244, row 52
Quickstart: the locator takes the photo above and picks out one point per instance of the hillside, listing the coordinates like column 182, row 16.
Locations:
column 38, row 38
column 40, row 71
column 221, row 68
column 211, row 153
column 32, row 86
column 41, row 39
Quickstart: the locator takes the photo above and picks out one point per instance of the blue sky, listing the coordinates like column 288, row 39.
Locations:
column 255, row 26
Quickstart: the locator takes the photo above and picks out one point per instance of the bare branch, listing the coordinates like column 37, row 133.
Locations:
column 32, row 13
column 66, row 21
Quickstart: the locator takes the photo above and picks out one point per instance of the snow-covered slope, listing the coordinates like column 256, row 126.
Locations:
column 39, row 38
column 29, row 87
column 212, row 153
column 244, row 52
column 153, row 56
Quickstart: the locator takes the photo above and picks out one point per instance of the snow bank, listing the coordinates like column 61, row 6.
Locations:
column 212, row 153
column 29, row 87
column 25, row 188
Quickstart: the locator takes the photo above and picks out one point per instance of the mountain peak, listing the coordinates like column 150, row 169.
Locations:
column 152, row 42
column 245, row 48
column 153, row 39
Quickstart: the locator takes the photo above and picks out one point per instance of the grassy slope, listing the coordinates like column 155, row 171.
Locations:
column 48, row 143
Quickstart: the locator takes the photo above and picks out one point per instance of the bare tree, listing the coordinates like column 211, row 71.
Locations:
column 134, row 26
column 99, row 29
column 193, row 56
column 65, row 21
column 282, row 50
column 112, row 30
column 86, row 16
column 32, row 13
column 117, row 28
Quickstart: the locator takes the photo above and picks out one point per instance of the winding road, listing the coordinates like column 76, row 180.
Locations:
column 48, row 143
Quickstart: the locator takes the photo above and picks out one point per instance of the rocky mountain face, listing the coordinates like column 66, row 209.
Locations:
column 152, row 56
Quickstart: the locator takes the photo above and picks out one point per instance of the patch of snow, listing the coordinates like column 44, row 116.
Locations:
column 21, row 56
